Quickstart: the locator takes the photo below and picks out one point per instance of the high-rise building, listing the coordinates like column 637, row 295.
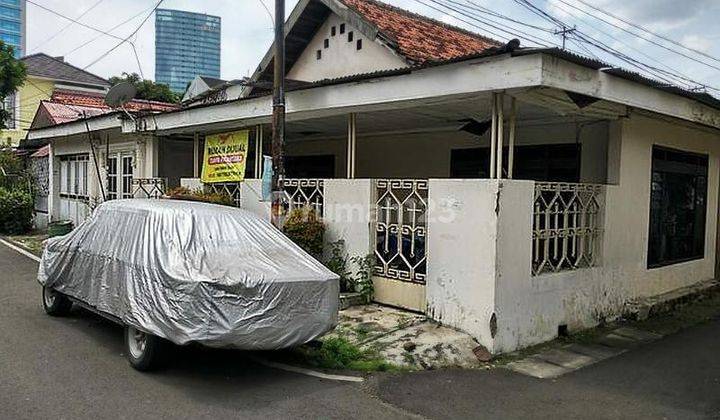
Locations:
column 186, row 45
column 12, row 24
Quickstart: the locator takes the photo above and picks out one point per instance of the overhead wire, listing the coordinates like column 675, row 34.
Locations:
column 64, row 28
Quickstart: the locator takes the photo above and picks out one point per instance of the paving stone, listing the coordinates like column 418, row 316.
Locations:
column 566, row 358
column 538, row 368
column 636, row 334
column 618, row 341
column 596, row 351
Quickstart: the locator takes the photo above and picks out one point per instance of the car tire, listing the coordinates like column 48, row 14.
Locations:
column 55, row 303
column 143, row 350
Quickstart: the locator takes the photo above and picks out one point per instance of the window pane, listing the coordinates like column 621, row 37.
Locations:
column 677, row 207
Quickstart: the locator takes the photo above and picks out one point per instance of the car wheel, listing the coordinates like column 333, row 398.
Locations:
column 55, row 303
column 142, row 349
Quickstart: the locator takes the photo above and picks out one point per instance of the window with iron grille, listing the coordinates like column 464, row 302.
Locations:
column 74, row 176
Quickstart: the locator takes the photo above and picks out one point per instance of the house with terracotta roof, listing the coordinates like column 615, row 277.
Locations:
column 70, row 173
column 514, row 193
column 45, row 74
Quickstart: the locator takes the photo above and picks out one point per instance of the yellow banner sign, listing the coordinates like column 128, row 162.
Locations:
column 225, row 156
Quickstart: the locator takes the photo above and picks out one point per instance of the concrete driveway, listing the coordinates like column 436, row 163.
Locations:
column 74, row 368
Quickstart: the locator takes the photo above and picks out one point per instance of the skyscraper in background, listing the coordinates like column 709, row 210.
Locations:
column 186, row 45
column 12, row 24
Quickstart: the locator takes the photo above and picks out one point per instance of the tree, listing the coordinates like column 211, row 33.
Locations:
column 12, row 76
column 147, row 89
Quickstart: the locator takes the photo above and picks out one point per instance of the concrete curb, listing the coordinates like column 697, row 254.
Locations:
column 642, row 309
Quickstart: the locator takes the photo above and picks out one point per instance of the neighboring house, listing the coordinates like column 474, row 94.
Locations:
column 45, row 74
column 71, row 172
column 199, row 85
column 510, row 192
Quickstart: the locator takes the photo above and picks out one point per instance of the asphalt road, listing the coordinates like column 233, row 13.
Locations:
column 74, row 368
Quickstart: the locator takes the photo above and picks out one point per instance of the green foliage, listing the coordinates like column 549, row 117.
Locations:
column 16, row 210
column 306, row 229
column 147, row 89
column 339, row 353
column 184, row 193
column 363, row 276
column 12, row 76
column 337, row 263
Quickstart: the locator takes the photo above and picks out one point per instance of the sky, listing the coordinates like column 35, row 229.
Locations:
column 247, row 30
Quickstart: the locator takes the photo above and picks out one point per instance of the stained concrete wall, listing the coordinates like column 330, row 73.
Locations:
column 530, row 308
column 462, row 249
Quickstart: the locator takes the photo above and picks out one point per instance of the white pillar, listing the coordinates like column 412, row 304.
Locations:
column 258, row 151
column 351, row 146
column 500, row 135
column 511, row 139
column 493, row 135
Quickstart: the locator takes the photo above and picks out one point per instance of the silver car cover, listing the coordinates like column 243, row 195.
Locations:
column 194, row 272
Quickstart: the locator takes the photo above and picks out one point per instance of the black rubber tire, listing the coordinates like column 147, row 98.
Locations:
column 149, row 357
column 55, row 303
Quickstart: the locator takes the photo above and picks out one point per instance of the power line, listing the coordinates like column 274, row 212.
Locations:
column 582, row 37
column 122, row 41
column 658, row 73
column 72, row 20
column 646, row 39
column 637, row 51
column 109, row 30
column 269, row 13
column 636, row 26
column 516, row 33
column 64, row 28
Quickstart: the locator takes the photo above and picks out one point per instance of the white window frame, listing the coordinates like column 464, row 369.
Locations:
column 74, row 176
column 121, row 190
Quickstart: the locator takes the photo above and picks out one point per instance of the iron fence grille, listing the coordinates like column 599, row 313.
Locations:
column 401, row 229
column 148, row 187
column 305, row 192
column 566, row 226
column 231, row 189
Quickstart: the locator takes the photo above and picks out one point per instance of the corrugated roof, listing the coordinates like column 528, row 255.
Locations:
column 42, row 65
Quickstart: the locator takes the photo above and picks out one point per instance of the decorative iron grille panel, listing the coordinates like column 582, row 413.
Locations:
column 231, row 189
column 400, row 229
column 566, row 226
column 148, row 187
column 39, row 168
column 305, row 193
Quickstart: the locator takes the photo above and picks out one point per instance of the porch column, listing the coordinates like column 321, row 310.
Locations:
column 196, row 155
column 258, row 151
column 511, row 139
column 500, row 135
column 493, row 135
column 351, row 146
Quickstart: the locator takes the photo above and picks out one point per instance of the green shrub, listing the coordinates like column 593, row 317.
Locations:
column 184, row 193
column 339, row 353
column 362, row 280
column 304, row 227
column 337, row 263
column 16, row 210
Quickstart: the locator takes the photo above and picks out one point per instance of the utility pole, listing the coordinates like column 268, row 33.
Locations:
column 564, row 31
column 278, row 117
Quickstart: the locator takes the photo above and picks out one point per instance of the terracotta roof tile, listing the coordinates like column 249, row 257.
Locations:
column 97, row 100
column 419, row 38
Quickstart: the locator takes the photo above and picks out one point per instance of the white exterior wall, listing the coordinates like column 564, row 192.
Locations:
column 143, row 147
column 341, row 58
column 461, row 247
